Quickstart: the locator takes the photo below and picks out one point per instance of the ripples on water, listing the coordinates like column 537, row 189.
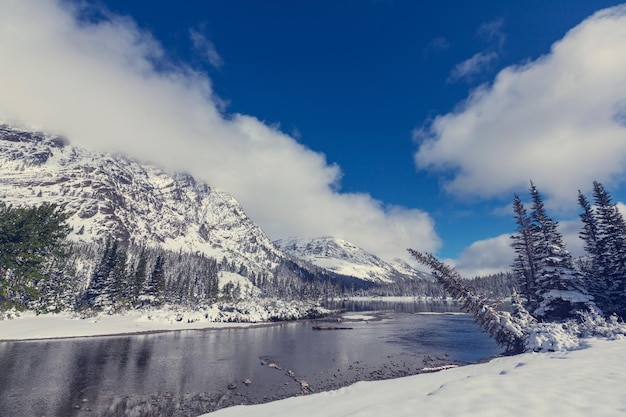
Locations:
column 192, row 372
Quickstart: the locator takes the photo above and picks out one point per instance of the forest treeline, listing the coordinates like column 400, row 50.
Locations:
column 40, row 269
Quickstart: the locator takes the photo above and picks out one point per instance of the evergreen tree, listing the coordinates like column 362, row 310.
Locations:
column 593, row 270
column 604, row 234
column 559, row 290
column 155, row 290
column 506, row 328
column 524, row 241
column 31, row 239
column 590, row 232
column 119, row 278
column 139, row 275
column 101, row 291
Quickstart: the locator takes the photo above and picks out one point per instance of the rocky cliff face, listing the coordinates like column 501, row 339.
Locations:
column 107, row 194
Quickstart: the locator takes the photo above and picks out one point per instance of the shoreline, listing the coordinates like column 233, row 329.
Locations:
column 28, row 326
column 228, row 326
column 334, row 317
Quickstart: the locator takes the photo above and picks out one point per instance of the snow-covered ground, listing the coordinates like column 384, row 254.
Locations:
column 586, row 382
column 30, row 326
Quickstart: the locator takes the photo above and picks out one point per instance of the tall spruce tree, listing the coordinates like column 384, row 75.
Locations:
column 119, row 278
column 593, row 273
column 101, row 291
column 155, row 289
column 139, row 275
column 523, row 243
column 559, row 288
column 604, row 234
column 549, row 283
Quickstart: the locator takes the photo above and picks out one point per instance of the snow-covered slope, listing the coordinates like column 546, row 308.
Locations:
column 344, row 258
column 108, row 194
column 580, row 383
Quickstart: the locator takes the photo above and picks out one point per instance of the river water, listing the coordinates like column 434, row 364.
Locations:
column 191, row 372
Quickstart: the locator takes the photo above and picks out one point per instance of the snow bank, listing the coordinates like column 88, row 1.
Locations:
column 28, row 325
column 586, row 382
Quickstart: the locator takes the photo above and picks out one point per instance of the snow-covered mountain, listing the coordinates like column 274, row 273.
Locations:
column 112, row 195
column 108, row 194
column 344, row 258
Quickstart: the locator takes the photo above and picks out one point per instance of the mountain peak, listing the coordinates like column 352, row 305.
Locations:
column 345, row 258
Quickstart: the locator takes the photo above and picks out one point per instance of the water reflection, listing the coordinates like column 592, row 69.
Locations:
column 191, row 372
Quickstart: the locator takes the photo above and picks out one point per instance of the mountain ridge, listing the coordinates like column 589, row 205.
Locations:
column 108, row 194
column 345, row 258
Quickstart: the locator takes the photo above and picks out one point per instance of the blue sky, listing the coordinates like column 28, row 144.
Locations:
column 372, row 95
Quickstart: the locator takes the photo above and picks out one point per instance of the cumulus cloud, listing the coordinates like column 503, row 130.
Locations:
column 557, row 120
column 485, row 257
column 107, row 85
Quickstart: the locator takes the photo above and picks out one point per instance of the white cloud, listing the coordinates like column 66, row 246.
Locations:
column 485, row 257
column 473, row 66
column 206, row 48
column 96, row 83
column 557, row 120
column 481, row 62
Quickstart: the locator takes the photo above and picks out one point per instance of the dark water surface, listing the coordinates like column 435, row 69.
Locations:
column 196, row 371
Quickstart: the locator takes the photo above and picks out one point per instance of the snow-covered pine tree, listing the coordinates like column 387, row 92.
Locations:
column 560, row 293
column 119, row 279
column 155, row 288
column 138, row 277
column 593, row 267
column 523, row 243
column 590, row 232
column 608, row 251
column 108, row 282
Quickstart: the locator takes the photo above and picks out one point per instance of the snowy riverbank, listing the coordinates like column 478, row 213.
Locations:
column 28, row 325
column 585, row 382
column 252, row 312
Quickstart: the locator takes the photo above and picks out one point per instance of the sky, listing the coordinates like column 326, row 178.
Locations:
column 390, row 124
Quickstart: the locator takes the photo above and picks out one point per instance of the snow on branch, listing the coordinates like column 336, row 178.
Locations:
column 506, row 328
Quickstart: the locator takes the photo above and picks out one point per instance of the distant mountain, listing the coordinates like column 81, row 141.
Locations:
column 347, row 259
column 107, row 194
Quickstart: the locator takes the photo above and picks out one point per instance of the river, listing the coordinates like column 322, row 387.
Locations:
column 192, row 372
